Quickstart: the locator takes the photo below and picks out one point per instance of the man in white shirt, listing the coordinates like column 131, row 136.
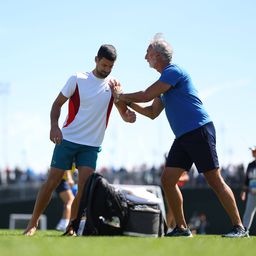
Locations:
column 80, row 139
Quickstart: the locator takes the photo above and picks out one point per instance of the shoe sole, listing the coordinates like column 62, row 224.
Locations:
column 245, row 236
column 180, row 236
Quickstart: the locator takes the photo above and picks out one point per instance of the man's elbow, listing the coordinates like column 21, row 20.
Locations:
column 155, row 112
column 152, row 117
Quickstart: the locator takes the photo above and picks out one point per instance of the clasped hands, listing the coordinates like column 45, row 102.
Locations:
column 116, row 89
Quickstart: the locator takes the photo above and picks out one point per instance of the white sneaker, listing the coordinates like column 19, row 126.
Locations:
column 169, row 230
column 237, row 232
column 62, row 225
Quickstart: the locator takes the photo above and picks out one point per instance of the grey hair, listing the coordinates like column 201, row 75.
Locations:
column 160, row 45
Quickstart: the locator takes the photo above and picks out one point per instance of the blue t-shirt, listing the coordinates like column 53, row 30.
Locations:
column 184, row 110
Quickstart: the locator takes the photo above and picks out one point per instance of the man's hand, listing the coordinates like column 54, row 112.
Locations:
column 130, row 116
column 56, row 134
column 116, row 89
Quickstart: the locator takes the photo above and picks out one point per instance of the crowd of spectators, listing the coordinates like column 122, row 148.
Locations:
column 19, row 176
column 140, row 175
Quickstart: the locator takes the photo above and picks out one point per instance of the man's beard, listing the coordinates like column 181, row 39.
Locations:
column 152, row 63
column 102, row 74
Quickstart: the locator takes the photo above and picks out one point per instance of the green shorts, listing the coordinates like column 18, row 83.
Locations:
column 67, row 153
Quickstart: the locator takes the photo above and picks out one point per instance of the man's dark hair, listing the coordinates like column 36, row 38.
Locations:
column 107, row 51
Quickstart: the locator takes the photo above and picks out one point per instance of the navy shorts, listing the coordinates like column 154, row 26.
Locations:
column 198, row 147
column 63, row 186
column 66, row 153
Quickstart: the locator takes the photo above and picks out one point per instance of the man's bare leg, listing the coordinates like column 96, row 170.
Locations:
column 169, row 180
column 224, row 194
column 83, row 175
column 43, row 198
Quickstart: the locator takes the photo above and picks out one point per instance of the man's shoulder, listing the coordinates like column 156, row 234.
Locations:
column 83, row 75
column 174, row 69
column 178, row 68
column 174, row 72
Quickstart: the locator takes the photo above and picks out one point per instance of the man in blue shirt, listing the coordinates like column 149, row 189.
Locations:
column 195, row 140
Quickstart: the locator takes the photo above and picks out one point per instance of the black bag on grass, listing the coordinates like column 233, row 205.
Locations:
column 105, row 211
column 102, row 211
column 145, row 220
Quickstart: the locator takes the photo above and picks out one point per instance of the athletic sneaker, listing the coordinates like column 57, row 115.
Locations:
column 180, row 232
column 62, row 225
column 237, row 231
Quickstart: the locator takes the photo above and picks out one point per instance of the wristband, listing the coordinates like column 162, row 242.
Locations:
column 117, row 97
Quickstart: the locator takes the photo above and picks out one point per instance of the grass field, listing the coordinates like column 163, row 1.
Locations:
column 50, row 242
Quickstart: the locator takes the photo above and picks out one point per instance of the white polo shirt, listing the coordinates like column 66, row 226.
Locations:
column 90, row 104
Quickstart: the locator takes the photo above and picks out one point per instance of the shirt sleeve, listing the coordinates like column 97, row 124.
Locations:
column 69, row 87
column 171, row 76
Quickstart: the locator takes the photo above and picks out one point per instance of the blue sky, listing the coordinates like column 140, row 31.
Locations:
column 42, row 43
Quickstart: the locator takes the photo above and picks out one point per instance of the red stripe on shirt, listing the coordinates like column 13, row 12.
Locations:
column 73, row 106
column 110, row 105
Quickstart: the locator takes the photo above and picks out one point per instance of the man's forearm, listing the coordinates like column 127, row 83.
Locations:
column 146, row 111
column 55, row 115
column 133, row 97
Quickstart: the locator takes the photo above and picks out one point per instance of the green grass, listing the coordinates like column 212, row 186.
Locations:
column 50, row 242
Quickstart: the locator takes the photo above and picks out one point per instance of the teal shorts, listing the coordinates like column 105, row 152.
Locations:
column 66, row 153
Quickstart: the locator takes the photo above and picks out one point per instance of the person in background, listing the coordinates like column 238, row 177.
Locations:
column 249, row 191
column 80, row 139
column 66, row 192
column 195, row 138
column 198, row 223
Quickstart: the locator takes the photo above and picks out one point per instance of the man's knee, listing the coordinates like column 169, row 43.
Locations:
column 215, row 180
column 165, row 180
column 84, row 173
column 52, row 182
column 49, row 186
column 170, row 176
